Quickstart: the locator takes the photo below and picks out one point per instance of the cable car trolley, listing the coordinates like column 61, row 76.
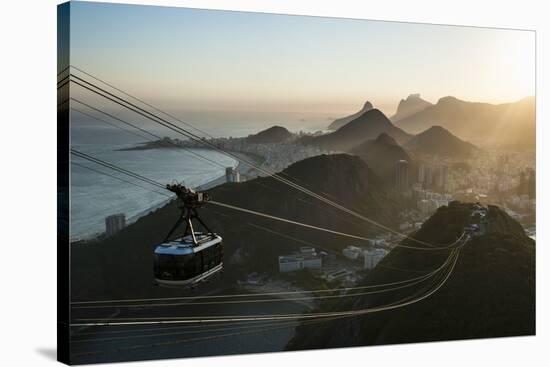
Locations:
column 193, row 257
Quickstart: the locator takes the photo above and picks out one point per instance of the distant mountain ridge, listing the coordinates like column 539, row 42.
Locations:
column 368, row 126
column 507, row 124
column 438, row 141
column 338, row 123
column 408, row 107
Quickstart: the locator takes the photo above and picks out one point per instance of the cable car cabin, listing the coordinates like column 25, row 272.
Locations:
column 181, row 262
column 186, row 260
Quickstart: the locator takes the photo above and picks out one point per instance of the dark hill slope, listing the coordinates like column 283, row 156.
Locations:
column 274, row 134
column 338, row 123
column 381, row 155
column 121, row 266
column 366, row 127
column 490, row 293
column 438, row 141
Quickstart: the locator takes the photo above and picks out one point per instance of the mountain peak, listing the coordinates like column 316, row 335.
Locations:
column 408, row 107
column 274, row 134
column 447, row 99
column 338, row 123
column 414, row 96
column 439, row 141
column 371, row 116
column 367, row 106
column 365, row 127
column 375, row 112
column 436, row 129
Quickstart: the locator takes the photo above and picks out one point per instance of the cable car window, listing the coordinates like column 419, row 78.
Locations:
column 177, row 267
column 207, row 258
column 189, row 266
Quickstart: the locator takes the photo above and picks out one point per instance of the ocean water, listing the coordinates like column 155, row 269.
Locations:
column 95, row 196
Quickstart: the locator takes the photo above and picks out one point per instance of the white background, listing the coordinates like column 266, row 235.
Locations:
column 28, row 183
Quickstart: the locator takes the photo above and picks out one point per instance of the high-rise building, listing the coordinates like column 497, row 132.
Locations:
column 114, row 223
column 442, row 176
column 232, row 175
column 429, row 177
column 402, row 175
column 421, row 173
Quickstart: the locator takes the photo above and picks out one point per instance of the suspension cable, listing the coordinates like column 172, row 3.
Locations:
column 196, row 138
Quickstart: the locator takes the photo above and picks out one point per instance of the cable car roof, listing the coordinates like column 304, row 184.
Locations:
column 184, row 246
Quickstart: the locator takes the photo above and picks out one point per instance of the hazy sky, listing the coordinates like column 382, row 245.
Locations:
column 186, row 59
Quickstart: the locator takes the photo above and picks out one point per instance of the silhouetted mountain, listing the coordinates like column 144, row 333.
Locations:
column 274, row 134
column 509, row 124
column 438, row 141
column 338, row 123
column 490, row 292
column 381, row 155
column 366, row 127
column 121, row 266
column 407, row 107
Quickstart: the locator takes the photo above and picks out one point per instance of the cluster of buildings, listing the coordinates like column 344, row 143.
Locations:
column 522, row 203
column 370, row 257
column 494, row 172
column 310, row 258
column 276, row 156
column 305, row 258
column 427, row 201
column 434, row 175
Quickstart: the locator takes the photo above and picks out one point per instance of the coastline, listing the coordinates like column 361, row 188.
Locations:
column 245, row 171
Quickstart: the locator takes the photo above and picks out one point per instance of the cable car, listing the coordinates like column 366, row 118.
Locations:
column 194, row 256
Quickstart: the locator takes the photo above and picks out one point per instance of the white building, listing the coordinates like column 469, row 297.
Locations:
column 405, row 225
column 378, row 242
column 373, row 257
column 308, row 250
column 352, row 252
column 336, row 274
column 307, row 258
